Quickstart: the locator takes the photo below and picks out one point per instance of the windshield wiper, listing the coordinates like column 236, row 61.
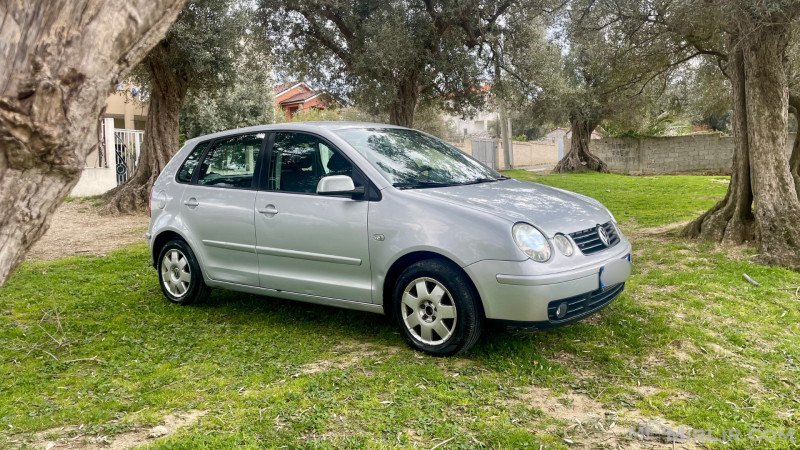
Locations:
column 422, row 184
column 484, row 180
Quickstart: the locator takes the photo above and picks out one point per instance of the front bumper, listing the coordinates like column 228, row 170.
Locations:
column 512, row 293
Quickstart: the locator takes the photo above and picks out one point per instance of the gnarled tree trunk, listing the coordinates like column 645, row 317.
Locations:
column 59, row 59
column 160, row 134
column 732, row 220
column 401, row 110
column 761, row 175
column 579, row 158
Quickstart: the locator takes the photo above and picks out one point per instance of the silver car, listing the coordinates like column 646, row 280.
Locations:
column 383, row 219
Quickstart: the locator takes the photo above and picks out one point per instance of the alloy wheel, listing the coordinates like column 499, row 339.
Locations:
column 175, row 273
column 428, row 311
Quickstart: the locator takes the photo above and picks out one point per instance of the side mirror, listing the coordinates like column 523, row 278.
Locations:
column 339, row 185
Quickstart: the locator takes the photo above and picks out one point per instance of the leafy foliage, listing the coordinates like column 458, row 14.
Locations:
column 248, row 101
column 388, row 57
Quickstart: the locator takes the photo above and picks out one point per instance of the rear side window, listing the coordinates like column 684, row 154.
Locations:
column 187, row 169
column 231, row 162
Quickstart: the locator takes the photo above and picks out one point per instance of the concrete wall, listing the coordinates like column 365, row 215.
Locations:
column 526, row 154
column 534, row 153
column 130, row 114
column 699, row 153
column 96, row 179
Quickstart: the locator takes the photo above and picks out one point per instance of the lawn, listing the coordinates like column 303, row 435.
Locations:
column 92, row 352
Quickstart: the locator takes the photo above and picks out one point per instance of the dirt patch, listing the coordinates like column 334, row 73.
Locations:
column 73, row 437
column 347, row 355
column 682, row 350
column 590, row 424
column 659, row 230
column 77, row 228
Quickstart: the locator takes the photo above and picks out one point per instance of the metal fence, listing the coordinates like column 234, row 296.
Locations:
column 485, row 151
column 127, row 145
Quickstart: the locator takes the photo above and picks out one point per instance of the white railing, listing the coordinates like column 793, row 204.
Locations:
column 127, row 146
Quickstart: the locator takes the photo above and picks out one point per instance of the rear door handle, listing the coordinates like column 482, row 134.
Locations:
column 269, row 209
column 192, row 202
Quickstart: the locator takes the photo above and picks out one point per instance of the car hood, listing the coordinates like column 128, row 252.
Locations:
column 551, row 209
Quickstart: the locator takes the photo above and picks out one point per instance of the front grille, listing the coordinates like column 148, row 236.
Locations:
column 588, row 241
column 584, row 304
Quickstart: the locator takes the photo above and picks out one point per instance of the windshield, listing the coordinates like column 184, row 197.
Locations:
column 410, row 159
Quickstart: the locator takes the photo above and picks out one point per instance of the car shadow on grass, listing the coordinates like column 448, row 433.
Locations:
column 497, row 347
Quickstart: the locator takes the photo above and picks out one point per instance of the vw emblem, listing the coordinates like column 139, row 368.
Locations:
column 601, row 231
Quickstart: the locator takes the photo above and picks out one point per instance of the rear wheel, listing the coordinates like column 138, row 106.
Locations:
column 437, row 309
column 179, row 274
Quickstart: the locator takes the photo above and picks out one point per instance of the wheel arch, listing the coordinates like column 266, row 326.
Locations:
column 161, row 239
column 401, row 263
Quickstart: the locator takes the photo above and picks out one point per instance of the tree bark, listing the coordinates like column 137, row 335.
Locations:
column 401, row 110
column 762, row 201
column 160, row 134
column 59, row 59
column 732, row 220
column 579, row 158
column 794, row 159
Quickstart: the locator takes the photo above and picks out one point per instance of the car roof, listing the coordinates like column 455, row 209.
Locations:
column 297, row 126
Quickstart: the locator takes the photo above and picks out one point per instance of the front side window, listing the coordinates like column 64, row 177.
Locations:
column 410, row 159
column 231, row 162
column 300, row 160
column 187, row 169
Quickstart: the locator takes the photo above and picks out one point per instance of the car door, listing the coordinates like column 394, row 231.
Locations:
column 218, row 208
column 308, row 243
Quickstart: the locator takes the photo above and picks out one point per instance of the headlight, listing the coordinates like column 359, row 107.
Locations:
column 564, row 245
column 531, row 241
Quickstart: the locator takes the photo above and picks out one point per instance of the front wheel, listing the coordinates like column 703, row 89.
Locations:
column 179, row 274
column 437, row 308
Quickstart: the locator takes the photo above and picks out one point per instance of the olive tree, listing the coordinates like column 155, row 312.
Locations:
column 613, row 66
column 761, row 204
column 59, row 60
column 201, row 52
column 388, row 57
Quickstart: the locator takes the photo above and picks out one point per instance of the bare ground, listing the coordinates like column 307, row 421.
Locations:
column 74, row 438
column 77, row 228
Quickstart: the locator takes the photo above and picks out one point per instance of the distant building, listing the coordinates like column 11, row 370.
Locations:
column 481, row 125
column 293, row 98
column 560, row 133
column 120, row 132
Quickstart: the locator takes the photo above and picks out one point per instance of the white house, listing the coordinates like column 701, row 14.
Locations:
column 120, row 132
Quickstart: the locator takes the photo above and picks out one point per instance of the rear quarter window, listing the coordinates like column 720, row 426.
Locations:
column 188, row 166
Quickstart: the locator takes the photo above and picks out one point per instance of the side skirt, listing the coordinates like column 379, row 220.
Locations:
column 327, row 301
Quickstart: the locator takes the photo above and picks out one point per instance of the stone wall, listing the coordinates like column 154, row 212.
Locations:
column 699, row 153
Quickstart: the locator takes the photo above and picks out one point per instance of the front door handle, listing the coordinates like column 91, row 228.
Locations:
column 192, row 202
column 269, row 210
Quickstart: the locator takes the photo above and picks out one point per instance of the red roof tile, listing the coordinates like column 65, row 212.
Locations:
column 299, row 97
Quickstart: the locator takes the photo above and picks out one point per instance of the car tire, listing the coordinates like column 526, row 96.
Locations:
column 436, row 308
column 179, row 274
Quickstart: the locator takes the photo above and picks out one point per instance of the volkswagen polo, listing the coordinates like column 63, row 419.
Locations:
column 383, row 219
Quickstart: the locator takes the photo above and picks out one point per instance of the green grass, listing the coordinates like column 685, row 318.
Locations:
column 94, row 199
column 643, row 201
column 689, row 341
